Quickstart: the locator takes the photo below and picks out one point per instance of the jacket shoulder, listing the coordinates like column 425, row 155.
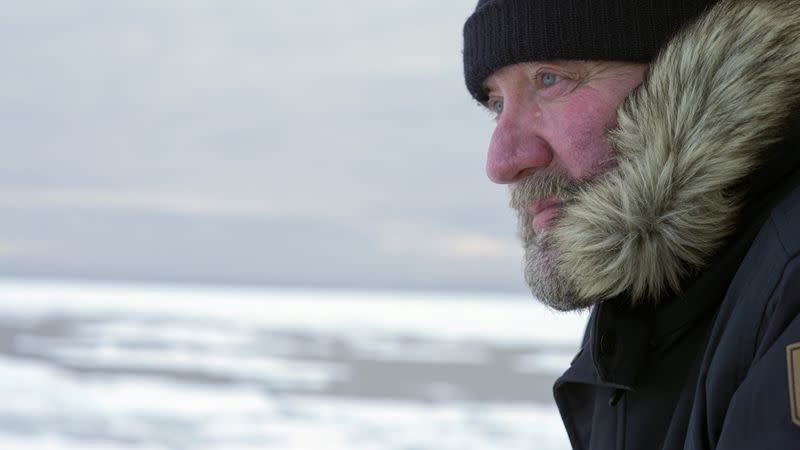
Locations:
column 786, row 219
column 746, row 393
column 763, row 410
column 763, row 297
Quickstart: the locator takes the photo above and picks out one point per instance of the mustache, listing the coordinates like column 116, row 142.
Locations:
column 541, row 185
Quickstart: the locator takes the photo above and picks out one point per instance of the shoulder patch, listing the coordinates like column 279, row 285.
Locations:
column 793, row 367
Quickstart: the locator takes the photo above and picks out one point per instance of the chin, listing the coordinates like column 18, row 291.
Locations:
column 542, row 276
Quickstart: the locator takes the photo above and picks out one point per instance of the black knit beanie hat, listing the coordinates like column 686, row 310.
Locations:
column 504, row 32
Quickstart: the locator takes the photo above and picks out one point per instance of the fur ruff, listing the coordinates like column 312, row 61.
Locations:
column 714, row 101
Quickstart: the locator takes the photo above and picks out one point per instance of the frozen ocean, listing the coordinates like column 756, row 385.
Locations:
column 124, row 367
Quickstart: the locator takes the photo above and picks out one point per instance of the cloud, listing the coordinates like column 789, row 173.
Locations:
column 139, row 201
column 435, row 240
column 272, row 142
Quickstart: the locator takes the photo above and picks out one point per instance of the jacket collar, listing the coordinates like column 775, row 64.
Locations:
column 620, row 339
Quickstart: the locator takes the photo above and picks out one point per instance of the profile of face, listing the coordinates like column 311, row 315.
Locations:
column 552, row 120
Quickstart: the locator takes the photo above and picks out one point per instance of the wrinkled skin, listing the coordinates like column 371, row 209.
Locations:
column 552, row 119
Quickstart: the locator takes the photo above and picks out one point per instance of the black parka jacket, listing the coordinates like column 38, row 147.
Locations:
column 715, row 363
column 712, row 370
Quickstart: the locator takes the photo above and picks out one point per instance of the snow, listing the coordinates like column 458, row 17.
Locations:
column 124, row 367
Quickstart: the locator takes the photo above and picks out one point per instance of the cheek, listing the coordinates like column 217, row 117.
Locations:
column 585, row 146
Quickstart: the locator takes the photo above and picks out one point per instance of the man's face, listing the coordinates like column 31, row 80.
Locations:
column 550, row 137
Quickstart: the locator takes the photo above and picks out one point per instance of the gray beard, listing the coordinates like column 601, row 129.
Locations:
column 541, row 261
column 545, row 280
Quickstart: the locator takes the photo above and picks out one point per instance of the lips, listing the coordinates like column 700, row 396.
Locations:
column 542, row 212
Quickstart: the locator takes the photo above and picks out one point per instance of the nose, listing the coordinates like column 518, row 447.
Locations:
column 515, row 151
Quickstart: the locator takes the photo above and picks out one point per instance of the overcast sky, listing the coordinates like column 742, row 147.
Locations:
column 312, row 143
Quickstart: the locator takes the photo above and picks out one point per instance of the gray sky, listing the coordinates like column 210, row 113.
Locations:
column 281, row 143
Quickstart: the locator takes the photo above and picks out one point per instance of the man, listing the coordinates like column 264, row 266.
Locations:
column 653, row 156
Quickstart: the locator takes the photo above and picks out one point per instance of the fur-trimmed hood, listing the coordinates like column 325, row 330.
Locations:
column 714, row 102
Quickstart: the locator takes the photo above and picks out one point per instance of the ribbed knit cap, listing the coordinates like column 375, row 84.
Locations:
column 504, row 32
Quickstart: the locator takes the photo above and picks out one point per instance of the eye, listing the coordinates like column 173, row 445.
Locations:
column 549, row 79
column 497, row 107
